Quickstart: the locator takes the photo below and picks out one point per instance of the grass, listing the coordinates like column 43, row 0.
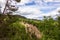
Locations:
column 12, row 29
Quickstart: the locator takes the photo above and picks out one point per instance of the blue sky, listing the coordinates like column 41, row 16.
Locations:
column 36, row 9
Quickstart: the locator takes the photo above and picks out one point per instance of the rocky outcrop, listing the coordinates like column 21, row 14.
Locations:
column 32, row 30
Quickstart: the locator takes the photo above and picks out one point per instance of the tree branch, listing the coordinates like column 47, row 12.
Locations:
column 5, row 6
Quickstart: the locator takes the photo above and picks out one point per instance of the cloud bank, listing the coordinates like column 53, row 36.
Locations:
column 39, row 9
column 36, row 9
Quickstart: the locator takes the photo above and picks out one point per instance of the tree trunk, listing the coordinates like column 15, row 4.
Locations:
column 5, row 6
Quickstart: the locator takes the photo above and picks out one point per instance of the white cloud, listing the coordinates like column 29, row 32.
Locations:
column 24, row 1
column 2, row 3
column 52, row 0
column 29, row 11
column 48, row 0
column 33, row 12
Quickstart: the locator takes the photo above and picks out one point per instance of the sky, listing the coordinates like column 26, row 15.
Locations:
column 36, row 9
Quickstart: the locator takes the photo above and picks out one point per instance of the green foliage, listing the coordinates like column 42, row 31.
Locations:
column 48, row 26
column 12, row 29
column 18, row 0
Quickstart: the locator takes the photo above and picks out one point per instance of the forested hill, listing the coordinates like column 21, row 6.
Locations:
column 16, row 27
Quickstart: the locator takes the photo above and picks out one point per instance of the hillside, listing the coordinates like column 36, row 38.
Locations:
column 15, row 27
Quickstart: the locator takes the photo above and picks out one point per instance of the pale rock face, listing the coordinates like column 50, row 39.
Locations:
column 32, row 30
